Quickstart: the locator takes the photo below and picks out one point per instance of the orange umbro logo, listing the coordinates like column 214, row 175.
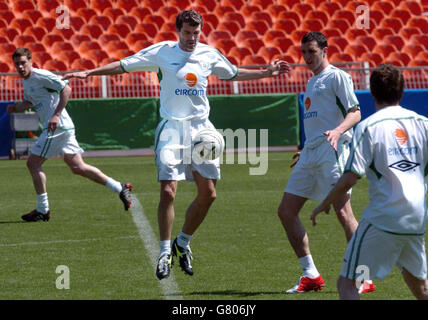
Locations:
column 401, row 136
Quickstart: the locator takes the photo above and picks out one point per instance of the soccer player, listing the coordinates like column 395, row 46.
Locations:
column 331, row 110
column 183, row 69
column 48, row 94
column 391, row 148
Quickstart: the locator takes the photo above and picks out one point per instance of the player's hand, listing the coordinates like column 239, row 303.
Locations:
column 53, row 123
column 79, row 75
column 11, row 108
column 333, row 137
column 317, row 211
column 296, row 157
column 278, row 67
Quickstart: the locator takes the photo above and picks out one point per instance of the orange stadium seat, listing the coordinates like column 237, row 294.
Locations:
column 412, row 49
column 201, row 10
column 421, row 39
column 377, row 16
column 271, row 35
column 75, row 5
column 281, row 43
column 347, row 15
column 285, row 15
column 96, row 56
column 49, row 39
column 92, row 31
column 393, row 23
column 86, row 13
column 288, row 3
column 82, row 64
column 263, row 3
column 107, row 37
column 113, row 13
column 20, row 24
column 3, row 24
column 165, row 36
column 121, row 53
column 254, row 60
column 341, row 42
column 297, row 35
column 234, row 16
column 152, row 4
column 47, row 23
column 140, row 13
column 47, row 5
column 171, row 27
column 413, row 6
column 248, row 9
column 275, row 10
column 341, row 24
column 312, row 24
column 7, row 48
column 4, row 67
column 208, row 4
column 315, row 3
column 236, row 4
column 217, row 35
column 147, row 28
column 103, row 21
column 285, row 25
column 230, row 26
column 407, row 32
column 40, row 57
column 244, row 34
column 395, row 41
column 22, row 40
column 168, row 13
column 383, row 6
column 332, row 49
column 355, row 50
column 206, row 29
column 220, row 10
column 341, row 57
column 240, row 53
column 302, row 8
column 423, row 55
column 233, row 60
column 285, row 57
column 368, row 41
column 22, row 5
column 181, row 4
column 139, row 45
column 211, row 18
column 384, row 49
column 134, row 36
column 418, row 22
column 60, row 46
column 401, row 56
column 296, row 52
column 374, row 59
column 320, row 15
column 7, row 16
column 331, row 32
column 224, row 45
column 342, row 3
column 9, row 33
column 259, row 26
column 68, row 57
column 401, row 14
column 122, row 30
column 155, row 19
column 100, row 5
column 76, row 39
column 262, row 15
column 77, row 23
column 88, row 45
column 36, row 32
column 353, row 33
column 268, row 53
column 126, row 5
column 329, row 7
column 32, row 15
column 380, row 33
column 55, row 65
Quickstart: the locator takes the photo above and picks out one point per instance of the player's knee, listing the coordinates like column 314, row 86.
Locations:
column 167, row 195
column 208, row 197
column 285, row 214
column 78, row 170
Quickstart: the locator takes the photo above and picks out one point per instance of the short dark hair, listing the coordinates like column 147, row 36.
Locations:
column 317, row 36
column 191, row 17
column 387, row 84
column 22, row 52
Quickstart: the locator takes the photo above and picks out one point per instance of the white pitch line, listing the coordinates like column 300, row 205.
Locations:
column 37, row 243
column 169, row 287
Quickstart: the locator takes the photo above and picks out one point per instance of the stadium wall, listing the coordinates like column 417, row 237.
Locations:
column 413, row 99
column 128, row 123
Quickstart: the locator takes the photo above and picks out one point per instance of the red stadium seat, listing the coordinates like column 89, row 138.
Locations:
column 315, row 3
column 233, row 60
column 165, row 36
column 341, row 42
column 380, row 33
column 47, row 5
column 423, row 55
column 224, row 45
column 263, row 3
column 341, row 57
column 395, row 41
column 352, row 34
column 122, row 30
column 152, row 4
column 407, row 32
column 240, row 53
column 259, row 26
column 331, row 32
column 7, row 16
column 207, row 28
column 77, row 23
column 91, row 30
column 140, row 13
column 77, row 39
column 36, row 32
column 237, row 4
column 201, row 10
column 383, row 6
column 7, row 48
column 208, row 4
column 297, row 35
column 86, row 13
column 393, row 23
column 243, row 34
column 421, row 39
column 49, row 39
column 418, row 22
column 40, row 57
column 254, row 44
column 377, row 16
column 171, row 27
column 384, row 49
column 168, row 13
column 234, row 16
column 20, row 24
column 148, row 28
column 248, row 9
column 374, row 59
column 75, row 5
column 126, row 5
column 4, row 67
column 88, row 45
column 181, row 4
column 312, row 24
column 107, row 37
column 347, row 15
column 302, row 9
column 9, row 33
column 332, row 49
column 329, row 7
column 68, row 57
column 96, row 56
column 342, row 3
column 296, row 52
column 212, row 19
column 275, row 10
column 103, row 21
column 368, row 41
column 230, row 26
column 47, row 23
column 340, row 24
column 394, row 62
column 139, row 45
column 285, row 25
column 285, row 57
column 401, row 14
column 413, row 6
column 262, row 15
column 60, row 46
column 217, row 35
column 22, row 5
column 36, row 47
column 281, row 43
column 320, row 15
column 221, row 10
column 290, row 15
column 268, row 53
column 254, row 60
column 271, row 34
column 121, row 53
column 401, row 56
column 113, row 13
column 134, row 36
column 155, row 19
column 412, row 49
column 288, row 3
column 55, row 65
column 355, row 50
column 22, row 40
column 82, row 64
column 32, row 15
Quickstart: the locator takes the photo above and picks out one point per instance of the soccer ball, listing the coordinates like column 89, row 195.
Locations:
column 208, row 144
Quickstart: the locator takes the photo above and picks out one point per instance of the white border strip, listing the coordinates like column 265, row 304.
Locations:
column 169, row 287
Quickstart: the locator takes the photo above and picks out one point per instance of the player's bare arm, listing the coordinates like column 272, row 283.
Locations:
column 351, row 119
column 111, row 68
column 63, row 100
column 24, row 105
column 275, row 69
column 346, row 181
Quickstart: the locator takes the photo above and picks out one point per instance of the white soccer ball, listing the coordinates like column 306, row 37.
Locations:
column 208, row 144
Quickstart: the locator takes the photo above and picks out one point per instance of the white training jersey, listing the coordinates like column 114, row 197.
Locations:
column 391, row 148
column 329, row 96
column 183, row 76
column 42, row 89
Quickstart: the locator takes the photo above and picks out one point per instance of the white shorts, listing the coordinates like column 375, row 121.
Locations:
column 56, row 144
column 318, row 170
column 174, row 150
column 375, row 252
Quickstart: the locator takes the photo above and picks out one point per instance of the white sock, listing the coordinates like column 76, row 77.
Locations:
column 114, row 185
column 42, row 203
column 183, row 239
column 165, row 247
column 308, row 267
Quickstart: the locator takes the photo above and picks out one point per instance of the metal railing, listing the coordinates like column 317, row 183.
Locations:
column 145, row 84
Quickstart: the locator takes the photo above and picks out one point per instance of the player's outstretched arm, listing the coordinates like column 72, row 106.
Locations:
column 273, row 70
column 111, row 68
column 24, row 105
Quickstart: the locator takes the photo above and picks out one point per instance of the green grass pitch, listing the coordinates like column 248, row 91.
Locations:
column 240, row 252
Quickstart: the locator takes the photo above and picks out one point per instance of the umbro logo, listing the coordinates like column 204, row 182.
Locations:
column 404, row 165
